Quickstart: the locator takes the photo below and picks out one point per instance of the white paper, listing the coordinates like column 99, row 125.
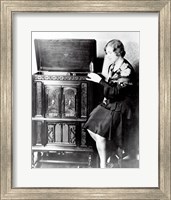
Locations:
column 23, row 26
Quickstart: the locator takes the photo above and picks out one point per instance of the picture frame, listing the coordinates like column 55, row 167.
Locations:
column 161, row 192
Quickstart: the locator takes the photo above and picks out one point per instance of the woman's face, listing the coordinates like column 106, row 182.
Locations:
column 111, row 55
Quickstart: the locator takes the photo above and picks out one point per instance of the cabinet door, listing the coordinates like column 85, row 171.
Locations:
column 69, row 133
column 70, row 103
column 61, row 133
column 53, row 101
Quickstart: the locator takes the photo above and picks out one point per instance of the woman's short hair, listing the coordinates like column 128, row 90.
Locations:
column 117, row 46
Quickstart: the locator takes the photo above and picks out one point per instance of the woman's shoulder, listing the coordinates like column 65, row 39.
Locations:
column 126, row 68
column 126, row 64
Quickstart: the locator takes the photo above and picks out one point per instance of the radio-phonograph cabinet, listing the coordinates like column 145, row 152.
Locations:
column 61, row 102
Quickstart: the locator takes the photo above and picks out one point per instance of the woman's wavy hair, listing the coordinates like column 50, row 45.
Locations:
column 117, row 46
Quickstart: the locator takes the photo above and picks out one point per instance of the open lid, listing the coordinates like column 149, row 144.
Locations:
column 73, row 55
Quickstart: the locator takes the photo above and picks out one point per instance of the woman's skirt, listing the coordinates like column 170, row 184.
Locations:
column 110, row 121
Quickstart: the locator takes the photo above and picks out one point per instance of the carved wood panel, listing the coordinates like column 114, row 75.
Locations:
column 53, row 101
column 70, row 101
column 63, row 133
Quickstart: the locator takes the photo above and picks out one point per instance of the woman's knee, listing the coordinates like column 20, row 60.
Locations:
column 101, row 139
column 92, row 134
column 101, row 142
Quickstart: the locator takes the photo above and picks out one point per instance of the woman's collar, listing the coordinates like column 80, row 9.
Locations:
column 118, row 64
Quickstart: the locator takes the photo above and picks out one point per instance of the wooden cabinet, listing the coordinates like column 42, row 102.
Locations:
column 61, row 102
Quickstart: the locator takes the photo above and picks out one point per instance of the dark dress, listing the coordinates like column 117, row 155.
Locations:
column 110, row 119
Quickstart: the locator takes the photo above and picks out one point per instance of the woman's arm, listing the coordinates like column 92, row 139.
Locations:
column 114, row 90
column 111, row 90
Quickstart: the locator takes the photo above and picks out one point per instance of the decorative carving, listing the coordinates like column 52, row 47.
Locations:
column 84, row 100
column 53, row 99
column 51, row 133
column 72, row 134
column 59, row 77
column 62, row 132
column 69, row 96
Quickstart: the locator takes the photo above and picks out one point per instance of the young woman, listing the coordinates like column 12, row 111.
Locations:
column 109, row 120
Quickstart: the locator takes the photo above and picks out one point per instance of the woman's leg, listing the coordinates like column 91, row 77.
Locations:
column 101, row 147
column 92, row 134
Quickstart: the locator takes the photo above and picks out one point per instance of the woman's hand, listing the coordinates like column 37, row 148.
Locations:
column 94, row 77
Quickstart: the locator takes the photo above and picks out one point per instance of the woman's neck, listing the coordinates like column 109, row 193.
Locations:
column 119, row 61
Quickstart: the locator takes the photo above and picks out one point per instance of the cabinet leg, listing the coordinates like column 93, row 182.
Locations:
column 89, row 160
column 35, row 158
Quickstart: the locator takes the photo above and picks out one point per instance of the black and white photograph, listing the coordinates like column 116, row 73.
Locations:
column 85, row 99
